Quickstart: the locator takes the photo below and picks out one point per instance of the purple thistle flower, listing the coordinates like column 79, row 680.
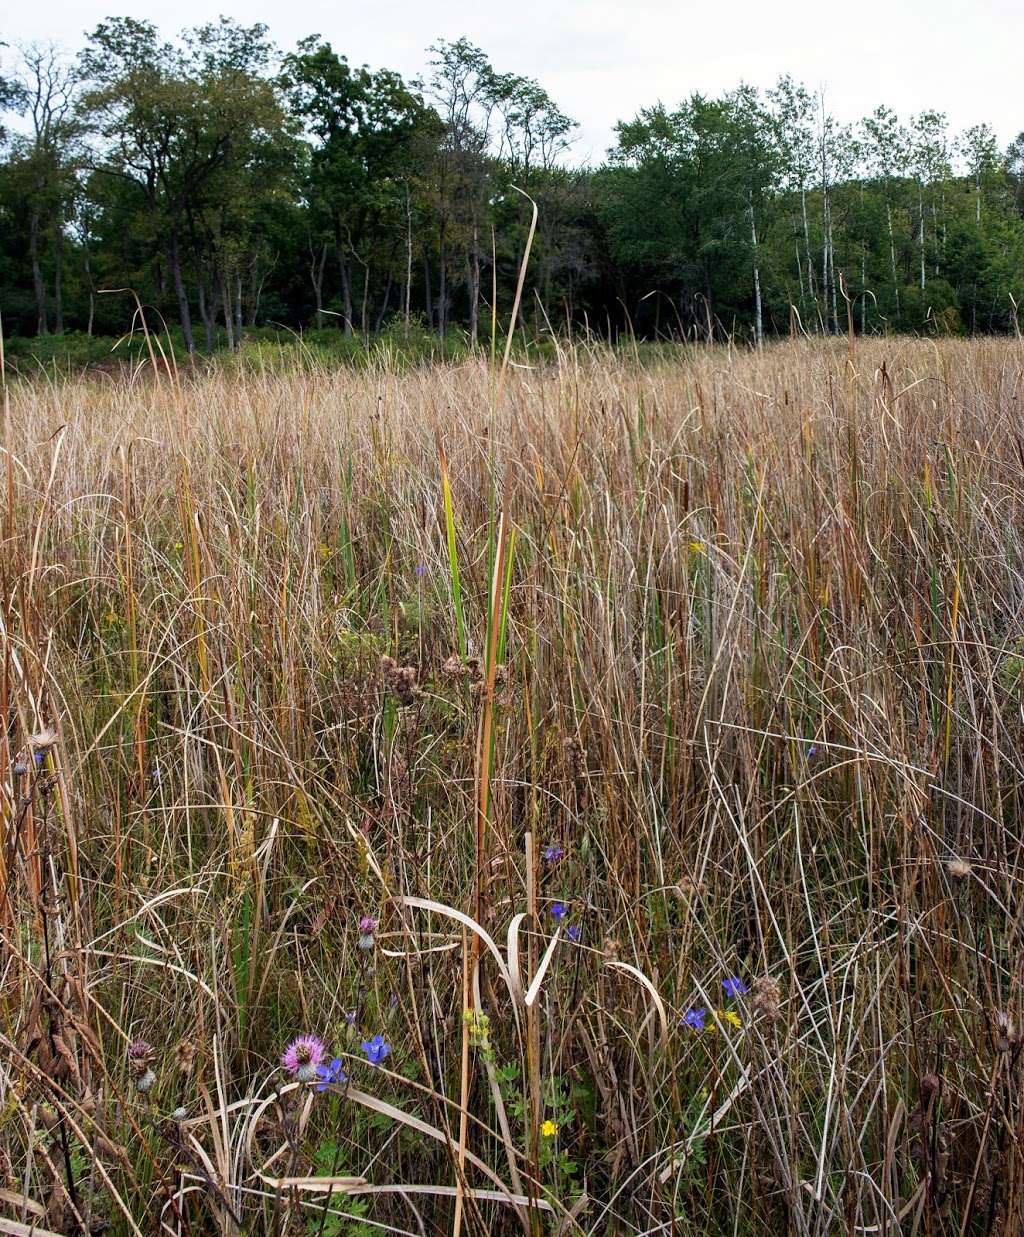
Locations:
column 559, row 911
column 573, row 932
column 367, row 927
column 376, row 1049
column 140, row 1050
column 694, row 1018
column 552, row 853
column 330, row 1073
column 303, row 1056
column 734, row 986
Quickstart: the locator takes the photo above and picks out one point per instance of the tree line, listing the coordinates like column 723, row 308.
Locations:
column 231, row 187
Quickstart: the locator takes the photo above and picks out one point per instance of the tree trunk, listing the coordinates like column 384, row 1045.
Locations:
column 758, row 321
column 42, row 326
column 474, row 288
column 58, row 275
column 408, row 254
column 384, row 304
column 229, row 317
column 238, row 310
column 346, row 296
column 800, row 275
column 204, row 313
column 88, row 279
column 892, row 259
column 811, row 293
column 316, row 274
column 427, row 293
column 174, row 260
column 920, row 228
column 442, row 284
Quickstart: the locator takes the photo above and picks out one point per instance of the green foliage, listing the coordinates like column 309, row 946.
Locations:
column 236, row 198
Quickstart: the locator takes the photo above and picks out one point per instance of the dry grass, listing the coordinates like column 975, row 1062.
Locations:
column 757, row 664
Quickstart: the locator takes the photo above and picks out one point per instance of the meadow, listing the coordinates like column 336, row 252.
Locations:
column 583, row 798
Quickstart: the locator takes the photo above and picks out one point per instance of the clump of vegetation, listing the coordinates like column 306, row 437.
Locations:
column 579, row 799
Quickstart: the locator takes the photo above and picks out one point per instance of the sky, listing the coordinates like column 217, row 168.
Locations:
column 602, row 61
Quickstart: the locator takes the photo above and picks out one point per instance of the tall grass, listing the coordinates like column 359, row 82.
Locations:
column 733, row 671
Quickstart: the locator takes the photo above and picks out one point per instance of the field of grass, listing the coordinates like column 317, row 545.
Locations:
column 661, row 722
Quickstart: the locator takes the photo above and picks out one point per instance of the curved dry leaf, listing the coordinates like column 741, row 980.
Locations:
column 545, row 962
column 428, row 904
column 512, row 949
column 641, row 978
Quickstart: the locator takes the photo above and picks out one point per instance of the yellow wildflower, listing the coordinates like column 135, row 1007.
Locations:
column 549, row 1129
column 731, row 1017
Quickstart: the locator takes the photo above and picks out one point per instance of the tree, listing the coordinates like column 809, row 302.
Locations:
column 795, row 113
column 172, row 118
column 887, row 151
column 980, row 150
column 465, row 90
column 365, row 127
column 47, row 88
column 930, row 164
column 682, row 198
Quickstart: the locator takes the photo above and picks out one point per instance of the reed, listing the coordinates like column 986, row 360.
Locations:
column 723, row 681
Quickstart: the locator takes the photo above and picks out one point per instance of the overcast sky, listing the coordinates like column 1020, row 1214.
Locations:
column 602, row 60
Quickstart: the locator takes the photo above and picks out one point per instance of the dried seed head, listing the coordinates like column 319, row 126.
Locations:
column 401, row 681
column 958, row 868
column 930, row 1085
column 767, row 999
column 452, row 667
column 1006, row 1031
column 44, row 740
column 611, row 949
column 185, row 1056
column 145, row 1081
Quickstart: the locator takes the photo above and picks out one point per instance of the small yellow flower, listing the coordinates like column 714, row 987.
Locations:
column 549, row 1129
column 697, row 547
column 731, row 1017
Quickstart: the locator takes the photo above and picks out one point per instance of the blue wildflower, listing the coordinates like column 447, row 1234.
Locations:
column 559, row 911
column 812, row 751
column 376, row 1049
column 422, row 569
column 552, row 853
column 694, row 1018
column 330, row 1073
column 734, row 986
column 573, row 932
